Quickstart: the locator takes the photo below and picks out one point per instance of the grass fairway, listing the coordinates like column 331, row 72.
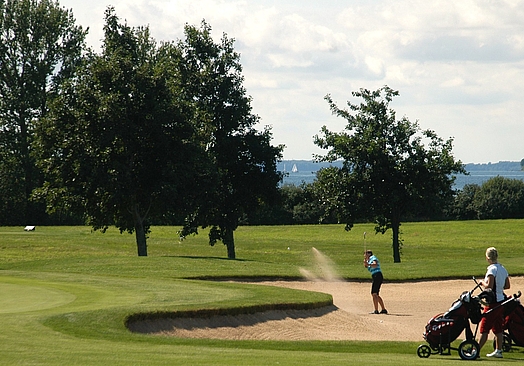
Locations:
column 65, row 292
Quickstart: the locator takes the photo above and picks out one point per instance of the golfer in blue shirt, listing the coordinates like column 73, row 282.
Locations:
column 373, row 265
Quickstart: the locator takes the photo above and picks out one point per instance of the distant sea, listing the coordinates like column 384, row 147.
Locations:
column 478, row 173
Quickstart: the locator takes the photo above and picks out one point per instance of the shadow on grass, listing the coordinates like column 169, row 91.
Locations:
column 199, row 257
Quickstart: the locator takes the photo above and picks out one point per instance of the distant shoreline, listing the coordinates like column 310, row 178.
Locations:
column 311, row 166
column 478, row 173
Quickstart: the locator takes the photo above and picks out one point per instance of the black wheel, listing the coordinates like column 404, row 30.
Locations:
column 468, row 350
column 423, row 351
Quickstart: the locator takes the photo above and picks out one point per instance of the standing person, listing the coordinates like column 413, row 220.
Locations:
column 373, row 265
column 496, row 279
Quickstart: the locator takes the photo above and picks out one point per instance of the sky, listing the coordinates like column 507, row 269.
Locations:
column 458, row 65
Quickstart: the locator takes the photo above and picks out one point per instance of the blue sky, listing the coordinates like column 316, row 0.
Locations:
column 458, row 65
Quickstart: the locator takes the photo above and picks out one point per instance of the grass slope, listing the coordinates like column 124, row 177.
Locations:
column 65, row 292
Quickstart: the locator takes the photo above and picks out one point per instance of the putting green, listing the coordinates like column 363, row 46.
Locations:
column 17, row 298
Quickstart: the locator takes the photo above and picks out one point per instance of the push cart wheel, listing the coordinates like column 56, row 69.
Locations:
column 423, row 351
column 468, row 350
column 506, row 343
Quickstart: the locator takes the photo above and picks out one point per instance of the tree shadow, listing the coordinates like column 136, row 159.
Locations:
column 207, row 257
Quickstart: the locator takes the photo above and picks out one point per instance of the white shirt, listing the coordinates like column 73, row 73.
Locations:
column 500, row 274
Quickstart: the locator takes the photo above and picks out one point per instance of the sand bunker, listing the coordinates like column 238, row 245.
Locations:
column 410, row 306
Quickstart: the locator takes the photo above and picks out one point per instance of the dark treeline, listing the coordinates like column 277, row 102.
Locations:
column 497, row 198
column 497, row 167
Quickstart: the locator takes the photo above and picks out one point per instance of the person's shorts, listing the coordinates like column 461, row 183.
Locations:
column 377, row 282
column 493, row 321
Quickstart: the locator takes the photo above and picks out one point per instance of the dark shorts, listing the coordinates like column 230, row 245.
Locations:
column 493, row 321
column 377, row 282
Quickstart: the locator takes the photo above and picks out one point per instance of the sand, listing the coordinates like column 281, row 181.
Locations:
column 410, row 306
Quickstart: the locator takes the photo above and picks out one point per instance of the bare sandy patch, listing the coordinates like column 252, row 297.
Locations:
column 410, row 306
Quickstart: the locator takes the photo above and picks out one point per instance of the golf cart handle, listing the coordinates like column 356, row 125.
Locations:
column 478, row 285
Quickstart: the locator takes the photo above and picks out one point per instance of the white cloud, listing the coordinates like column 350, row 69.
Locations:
column 452, row 83
column 459, row 65
column 257, row 27
column 375, row 65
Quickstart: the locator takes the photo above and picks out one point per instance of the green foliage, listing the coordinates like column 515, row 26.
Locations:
column 296, row 205
column 117, row 144
column 390, row 167
column 39, row 46
column 243, row 159
column 305, row 206
column 146, row 133
column 500, row 197
column 463, row 206
column 497, row 198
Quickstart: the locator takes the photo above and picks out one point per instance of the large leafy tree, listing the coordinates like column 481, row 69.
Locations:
column 39, row 46
column 118, row 143
column 391, row 167
column 499, row 198
column 243, row 159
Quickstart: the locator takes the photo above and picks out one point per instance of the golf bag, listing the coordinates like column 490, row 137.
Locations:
column 444, row 328
column 513, row 325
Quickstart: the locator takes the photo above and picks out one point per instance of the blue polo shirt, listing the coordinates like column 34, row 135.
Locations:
column 376, row 269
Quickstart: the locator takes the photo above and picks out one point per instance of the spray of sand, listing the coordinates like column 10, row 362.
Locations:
column 324, row 269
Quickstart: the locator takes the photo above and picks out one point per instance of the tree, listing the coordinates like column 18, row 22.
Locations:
column 39, row 46
column 463, row 207
column 500, row 198
column 388, row 171
column 244, row 161
column 296, row 205
column 118, row 143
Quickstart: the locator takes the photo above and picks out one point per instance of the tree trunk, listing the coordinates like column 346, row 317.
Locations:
column 141, row 240
column 26, row 165
column 140, row 233
column 395, row 226
column 229, row 242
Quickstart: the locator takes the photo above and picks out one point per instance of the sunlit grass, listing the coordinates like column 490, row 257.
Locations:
column 66, row 291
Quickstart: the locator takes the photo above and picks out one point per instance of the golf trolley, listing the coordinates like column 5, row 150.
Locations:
column 443, row 329
column 513, row 325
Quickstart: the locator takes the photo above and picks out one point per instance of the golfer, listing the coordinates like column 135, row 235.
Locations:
column 496, row 279
column 373, row 265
